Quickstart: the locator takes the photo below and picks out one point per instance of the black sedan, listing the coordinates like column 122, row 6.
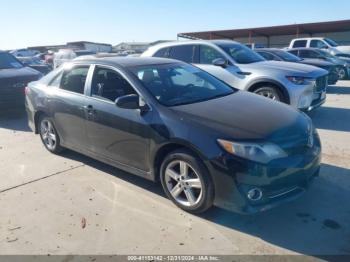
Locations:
column 165, row 120
column 35, row 63
column 281, row 55
column 13, row 79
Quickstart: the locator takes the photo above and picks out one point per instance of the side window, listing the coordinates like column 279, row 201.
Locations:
column 182, row 53
column 74, row 79
column 164, row 52
column 207, row 54
column 109, row 84
column 267, row 56
column 308, row 54
column 294, row 52
column 317, row 44
column 56, row 81
column 299, row 43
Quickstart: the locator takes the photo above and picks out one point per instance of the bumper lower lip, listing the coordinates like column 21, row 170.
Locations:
column 314, row 105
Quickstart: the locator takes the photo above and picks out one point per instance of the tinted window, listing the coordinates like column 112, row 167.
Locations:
column 331, row 42
column 299, row 43
column 178, row 84
column 56, row 81
column 317, row 44
column 207, row 54
column 266, row 55
column 294, row 52
column 74, row 79
column 9, row 61
column 164, row 52
column 109, row 84
column 242, row 54
column 285, row 56
column 182, row 53
column 308, row 54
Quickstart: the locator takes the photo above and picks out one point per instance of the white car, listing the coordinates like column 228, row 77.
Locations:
column 301, row 86
column 65, row 55
column 322, row 43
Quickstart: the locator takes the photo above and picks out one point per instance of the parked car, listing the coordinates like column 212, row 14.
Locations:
column 24, row 52
column 342, row 68
column 65, row 55
column 168, row 121
column 13, row 79
column 322, row 43
column 274, row 54
column 300, row 86
column 36, row 64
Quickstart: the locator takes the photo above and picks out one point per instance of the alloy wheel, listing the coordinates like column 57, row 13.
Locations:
column 183, row 183
column 269, row 94
column 48, row 134
column 341, row 73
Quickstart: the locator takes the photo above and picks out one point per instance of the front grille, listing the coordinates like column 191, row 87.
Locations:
column 321, row 84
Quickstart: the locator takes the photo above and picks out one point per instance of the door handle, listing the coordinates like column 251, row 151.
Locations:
column 89, row 109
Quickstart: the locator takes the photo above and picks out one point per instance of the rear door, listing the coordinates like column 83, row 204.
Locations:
column 118, row 134
column 205, row 57
column 68, row 103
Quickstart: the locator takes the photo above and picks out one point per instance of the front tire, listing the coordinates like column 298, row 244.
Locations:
column 186, row 182
column 48, row 135
column 270, row 92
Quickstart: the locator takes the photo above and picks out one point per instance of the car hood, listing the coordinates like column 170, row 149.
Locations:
column 316, row 62
column 244, row 116
column 344, row 48
column 295, row 69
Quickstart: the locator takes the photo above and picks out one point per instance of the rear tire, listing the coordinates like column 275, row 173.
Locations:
column 48, row 135
column 270, row 92
column 186, row 182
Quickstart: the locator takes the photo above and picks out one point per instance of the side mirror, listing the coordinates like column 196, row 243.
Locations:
column 220, row 62
column 128, row 102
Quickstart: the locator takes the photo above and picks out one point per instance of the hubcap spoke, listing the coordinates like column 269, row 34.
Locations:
column 171, row 173
column 189, row 195
column 194, row 183
column 183, row 169
column 176, row 191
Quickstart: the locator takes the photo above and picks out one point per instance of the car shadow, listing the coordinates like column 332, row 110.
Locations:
column 338, row 90
column 308, row 225
column 14, row 120
column 331, row 118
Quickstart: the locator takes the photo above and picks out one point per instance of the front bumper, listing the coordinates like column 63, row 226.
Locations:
column 280, row 181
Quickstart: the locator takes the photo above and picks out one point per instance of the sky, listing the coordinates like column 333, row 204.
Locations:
column 48, row 22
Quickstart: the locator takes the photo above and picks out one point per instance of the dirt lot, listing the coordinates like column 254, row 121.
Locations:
column 71, row 204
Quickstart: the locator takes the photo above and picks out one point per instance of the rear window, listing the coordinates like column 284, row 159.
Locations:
column 183, row 53
column 8, row 61
column 300, row 43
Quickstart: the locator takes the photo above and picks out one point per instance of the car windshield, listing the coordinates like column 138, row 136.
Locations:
column 179, row 84
column 325, row 53
column 286, row 56
column 331, row 42
column 241, row 54
column 8, row 61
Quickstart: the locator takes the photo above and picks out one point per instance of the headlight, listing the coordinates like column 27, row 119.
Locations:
column 263, row 153
column 297, row 80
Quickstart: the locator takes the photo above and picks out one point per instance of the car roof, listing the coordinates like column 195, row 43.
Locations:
column 127, row 61
column 191, row 42
column 269, row 49
column 304, row 48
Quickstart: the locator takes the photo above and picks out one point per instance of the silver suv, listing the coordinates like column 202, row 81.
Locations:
column 301, row 86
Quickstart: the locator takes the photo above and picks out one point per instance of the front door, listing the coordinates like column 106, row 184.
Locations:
column 119, row 134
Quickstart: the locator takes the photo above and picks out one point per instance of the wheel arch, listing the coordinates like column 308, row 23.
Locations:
column 169, row 147
column 252, row 86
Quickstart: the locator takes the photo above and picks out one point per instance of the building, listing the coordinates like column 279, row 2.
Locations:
column 279, row 36
column 91, row 46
